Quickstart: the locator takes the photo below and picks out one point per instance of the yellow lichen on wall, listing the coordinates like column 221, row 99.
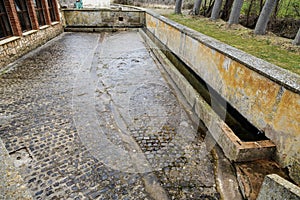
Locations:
column 173, row 37
column 288, row 116
column 287, row 123
column 151, row 22
column 258, row 92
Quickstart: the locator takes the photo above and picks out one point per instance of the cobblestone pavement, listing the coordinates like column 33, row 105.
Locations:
column 91, row 116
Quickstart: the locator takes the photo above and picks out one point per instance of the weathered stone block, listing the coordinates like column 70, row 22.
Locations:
column 275, row 187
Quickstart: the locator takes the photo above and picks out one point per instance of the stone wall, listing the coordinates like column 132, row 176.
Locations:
column 14, row 47
column 103, row 18
column 268, row 96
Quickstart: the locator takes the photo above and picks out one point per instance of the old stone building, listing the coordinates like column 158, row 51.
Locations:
column 24, row 25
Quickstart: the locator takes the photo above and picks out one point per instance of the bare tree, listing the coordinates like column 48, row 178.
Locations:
column 216, row 10
column 178, row 5
column 226, row 10
column 235, row 12
column 264, row 17
column 196, row 8
column 207, row 11
column 248, row 12
column 296, row 41
column 276, row 9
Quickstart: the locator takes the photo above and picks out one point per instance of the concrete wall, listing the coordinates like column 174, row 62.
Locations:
column 268, row 96
column 14, row 47
column 103, row 18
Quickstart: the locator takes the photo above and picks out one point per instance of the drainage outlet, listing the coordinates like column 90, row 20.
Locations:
column 21, row 157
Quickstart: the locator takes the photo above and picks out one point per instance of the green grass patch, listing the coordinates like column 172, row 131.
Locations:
column 269, row 48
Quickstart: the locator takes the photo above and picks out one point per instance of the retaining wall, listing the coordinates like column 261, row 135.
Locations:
column 268, row 96
column 91, row 19
column 14, row 47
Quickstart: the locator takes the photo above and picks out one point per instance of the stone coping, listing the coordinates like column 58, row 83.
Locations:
column 30, row 32
column 8, row 40
column 44, row 27
column 279, row 75
column 55, row 23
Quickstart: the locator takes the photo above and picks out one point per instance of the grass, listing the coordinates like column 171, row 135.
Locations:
column 286, row 9
column 273, row 49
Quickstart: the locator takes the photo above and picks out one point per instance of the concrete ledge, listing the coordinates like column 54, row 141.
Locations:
column 8, row 40
column 54, row 23
column 44, row 27
column 29, row 32
column 225, row 176
column 275, row 187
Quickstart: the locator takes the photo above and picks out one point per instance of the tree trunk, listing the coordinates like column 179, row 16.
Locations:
column 216, row 10
column 248, row 12
column 264, row 17
column 204, row 8
column 208, row 11
column 276, row 9
column 296, row 41
column 196, row 8
column 226, row 10
column 261, row 4
column 235, row 12
column 178, row 5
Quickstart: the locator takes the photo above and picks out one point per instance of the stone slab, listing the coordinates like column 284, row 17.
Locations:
column 250, row 175
column 277, row 188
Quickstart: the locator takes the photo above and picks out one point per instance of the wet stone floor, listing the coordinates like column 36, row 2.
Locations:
column 92, row 116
